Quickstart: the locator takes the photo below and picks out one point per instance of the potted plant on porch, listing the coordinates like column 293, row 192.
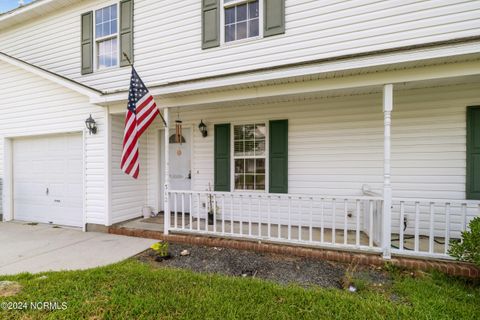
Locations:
column 212, row 207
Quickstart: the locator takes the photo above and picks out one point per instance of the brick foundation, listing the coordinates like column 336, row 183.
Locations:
column 450, row 267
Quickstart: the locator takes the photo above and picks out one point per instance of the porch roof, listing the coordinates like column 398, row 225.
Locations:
column 360, row 81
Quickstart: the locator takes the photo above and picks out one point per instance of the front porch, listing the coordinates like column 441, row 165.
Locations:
column 356, row 182
column 302, row 228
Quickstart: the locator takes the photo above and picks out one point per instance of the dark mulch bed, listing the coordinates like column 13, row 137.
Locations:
column 279, row 268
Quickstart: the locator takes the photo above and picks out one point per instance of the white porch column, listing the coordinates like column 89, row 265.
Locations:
column 166, row 207
column 387, row 187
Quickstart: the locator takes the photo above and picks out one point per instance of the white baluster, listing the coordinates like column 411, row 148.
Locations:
column 241, row 214
column 183, row 210
column 214, row 213
column 269, row 227
column 207, row 204
column 279, row 235
column 402, row 217
column 198, row 212
column 417, row 226
column 322, row 223
column 222, row 212
column 259, row 216
column 250, row 215
column 300, row 209
column 345, row 225
column 289, row 218
column 370, row 215
column 175, row 210
column 190, row 212
column 231, row 214
column 464, row 216
column 334, row 211
column 432, row 228
column 357, row 230
column 447, row 227
column 310, row 229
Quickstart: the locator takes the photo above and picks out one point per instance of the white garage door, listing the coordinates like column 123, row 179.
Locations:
column 47, row 179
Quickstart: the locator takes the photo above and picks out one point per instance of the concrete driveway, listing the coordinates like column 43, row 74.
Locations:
column 38, row 248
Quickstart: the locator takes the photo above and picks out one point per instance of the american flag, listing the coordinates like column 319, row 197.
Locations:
column 141, row 111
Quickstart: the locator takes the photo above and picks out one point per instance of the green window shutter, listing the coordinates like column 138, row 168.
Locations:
column 473, row 153
column 274, row 17
column 86, row 43
column 126, row 31
column 210, row 23
column 278, row 156
column 222, row 157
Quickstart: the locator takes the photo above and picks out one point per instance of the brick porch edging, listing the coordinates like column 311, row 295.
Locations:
column 450, row 267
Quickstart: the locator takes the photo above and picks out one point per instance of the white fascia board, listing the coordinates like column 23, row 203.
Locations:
column 77, row 87
column 385, row 60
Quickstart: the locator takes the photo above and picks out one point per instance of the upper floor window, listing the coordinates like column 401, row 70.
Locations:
column 101, row 45
column 106, row 36
column 241, row 19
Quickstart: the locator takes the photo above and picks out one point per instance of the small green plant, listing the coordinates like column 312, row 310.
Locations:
column 469, row 248
column 392, row 268
column 161, row 248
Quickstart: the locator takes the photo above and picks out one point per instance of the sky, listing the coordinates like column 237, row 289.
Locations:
column 7, row 5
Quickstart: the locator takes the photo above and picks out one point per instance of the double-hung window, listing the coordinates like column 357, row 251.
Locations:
column 249, row 144
column 241, row 19
column 106, row 37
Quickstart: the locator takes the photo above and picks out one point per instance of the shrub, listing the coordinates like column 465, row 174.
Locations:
column 469, row 248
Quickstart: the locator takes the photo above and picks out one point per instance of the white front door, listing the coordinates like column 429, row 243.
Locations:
column 48, row 179
column 180, row 168
column 180, row 165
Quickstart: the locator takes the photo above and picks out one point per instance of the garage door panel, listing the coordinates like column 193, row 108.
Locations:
column 53, row 162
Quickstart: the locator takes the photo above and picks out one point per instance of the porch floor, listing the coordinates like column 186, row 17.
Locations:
column 252, row 230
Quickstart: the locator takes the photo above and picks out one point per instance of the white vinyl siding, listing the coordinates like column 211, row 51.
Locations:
column 336, row 144
column 35, row 106
column 167, row 36
column 128, row 195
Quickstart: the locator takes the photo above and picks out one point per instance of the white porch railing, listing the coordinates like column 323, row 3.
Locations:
column 340, row 222
column 420, row 227
column 425, row 227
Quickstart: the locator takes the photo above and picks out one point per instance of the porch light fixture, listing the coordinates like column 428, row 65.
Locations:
column 91, row 125
column 203, row 128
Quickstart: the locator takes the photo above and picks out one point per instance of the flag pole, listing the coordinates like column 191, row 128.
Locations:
column 131, row 64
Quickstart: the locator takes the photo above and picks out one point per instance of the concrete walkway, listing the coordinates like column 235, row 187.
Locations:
column 38, row 248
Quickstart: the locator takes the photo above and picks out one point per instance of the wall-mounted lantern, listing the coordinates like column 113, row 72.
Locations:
column 203, row 128
column 91, row 125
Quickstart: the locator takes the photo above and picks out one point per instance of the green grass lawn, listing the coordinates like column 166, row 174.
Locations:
column 132, row 290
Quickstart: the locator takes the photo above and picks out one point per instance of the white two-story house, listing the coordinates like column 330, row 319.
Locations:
column 340, row 124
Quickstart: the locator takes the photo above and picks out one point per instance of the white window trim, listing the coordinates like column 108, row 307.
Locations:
column 95, row 40
column 222, row 22
column 232, row 156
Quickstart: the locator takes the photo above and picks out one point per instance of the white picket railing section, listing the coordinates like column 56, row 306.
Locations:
column 330, row 222
column 425, row 227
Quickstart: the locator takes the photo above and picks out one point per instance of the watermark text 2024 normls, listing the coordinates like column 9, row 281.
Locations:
column 33, row 305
